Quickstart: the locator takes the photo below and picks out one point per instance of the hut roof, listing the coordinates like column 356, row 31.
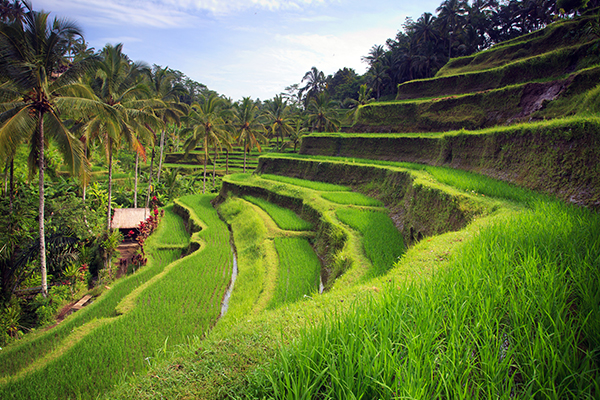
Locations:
column 129, row 218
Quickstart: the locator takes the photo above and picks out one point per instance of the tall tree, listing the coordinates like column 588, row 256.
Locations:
column 375, row 54
column 451, row 19
column 31, row 55
column 248, row 127
column 323, row 114
column 207, row 127
column 315, row 84
column 165, row 88
column 278, row 113
column 128, row 113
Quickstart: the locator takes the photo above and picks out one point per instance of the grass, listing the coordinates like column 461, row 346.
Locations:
column 382, row 242
column 314, row 185
column 353, row 198
column 299, row 270
column 283, row 217
column 514, row 315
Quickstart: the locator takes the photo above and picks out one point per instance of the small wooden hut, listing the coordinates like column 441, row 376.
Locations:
column 128, row 219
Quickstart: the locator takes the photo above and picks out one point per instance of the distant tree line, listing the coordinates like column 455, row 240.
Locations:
column 423, row 46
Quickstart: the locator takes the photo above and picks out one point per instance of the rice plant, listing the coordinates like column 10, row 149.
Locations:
column 382, row 242
column 283, row 217
column 353, row 198
column 299, row 270
column 515, row 315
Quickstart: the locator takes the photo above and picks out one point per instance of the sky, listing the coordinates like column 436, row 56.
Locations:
column 242, row 48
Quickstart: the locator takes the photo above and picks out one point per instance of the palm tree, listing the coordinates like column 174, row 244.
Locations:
column 315, row 84
column 31, row 53
column 364, row 97
column 128, row 113
column 279, row 116
column 207, row 126
column 248, row 126
column 166, row 89
column 375, row 54
column 425, row 29
column 451, row 17
column 322, row 114
column 297, row 133
column 376, row 77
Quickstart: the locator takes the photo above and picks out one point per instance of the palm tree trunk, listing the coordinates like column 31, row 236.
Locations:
column 11, row 183
column 214, row 166
column 41, row 205
column 160, row 161
column 135, row 184
column 150, row 180
column 227, row 162
column 108, row 213
column 85, row 152
column 245, row 150
column 204, row 182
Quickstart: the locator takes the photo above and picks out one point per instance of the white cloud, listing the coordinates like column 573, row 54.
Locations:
column 118, row 12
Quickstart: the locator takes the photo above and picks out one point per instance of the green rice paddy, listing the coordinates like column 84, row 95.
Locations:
column 382, row 242
column 351, row 198
column 299, row 270
column 283, row 217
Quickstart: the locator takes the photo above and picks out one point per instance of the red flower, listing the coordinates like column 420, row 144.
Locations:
column 155, row 211
column 131, row 233
column 154, row 198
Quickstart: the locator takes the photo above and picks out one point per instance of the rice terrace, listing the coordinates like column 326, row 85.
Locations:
column 427, row 230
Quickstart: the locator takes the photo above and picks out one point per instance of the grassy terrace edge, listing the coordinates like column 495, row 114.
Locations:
column 560, row 157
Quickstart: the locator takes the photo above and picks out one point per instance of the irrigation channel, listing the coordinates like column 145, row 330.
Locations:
column 227, row 296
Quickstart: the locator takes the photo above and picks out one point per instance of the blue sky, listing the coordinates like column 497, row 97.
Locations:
column 242, row 47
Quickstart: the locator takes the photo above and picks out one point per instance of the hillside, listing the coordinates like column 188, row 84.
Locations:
column 447, row 247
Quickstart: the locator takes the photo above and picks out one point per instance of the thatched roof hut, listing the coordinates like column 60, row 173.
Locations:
column 129, row 218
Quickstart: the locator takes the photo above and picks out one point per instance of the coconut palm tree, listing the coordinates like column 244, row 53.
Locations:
column 364, row 97
column 206, row 124
column 278, row 113
column 375, row 54
column 248, row 127
column 165, row 88
column 376, row 77
column 315, row 84
column 129, row 112
column 298, row 132
column 37, row 96
column 451, row 19
column 323, row 114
